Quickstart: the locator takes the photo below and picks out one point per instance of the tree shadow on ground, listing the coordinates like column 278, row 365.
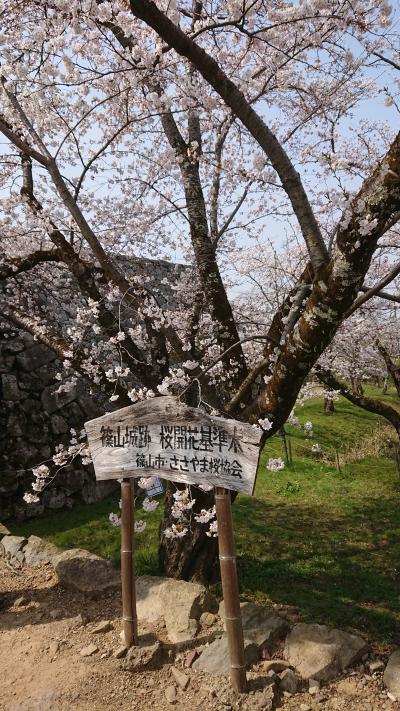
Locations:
column 42, row 603
column 338, row 568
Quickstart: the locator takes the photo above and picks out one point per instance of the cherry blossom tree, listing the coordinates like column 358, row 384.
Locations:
column 366, row 348
column 211, row 132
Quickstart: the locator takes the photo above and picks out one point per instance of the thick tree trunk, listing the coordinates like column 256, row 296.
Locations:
column 393, row 369
column 356, row 387
column 397, row 457
column 193, row 557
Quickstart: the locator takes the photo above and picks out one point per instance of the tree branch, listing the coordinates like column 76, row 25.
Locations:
column 84, row 274
column 216, row 180
column 231, row 217
column 147, row 11
column 384, row 295
column 387, row 60
column 20, row 143
column 18, row 265
column 134, row 295
column 393, row 369
column 374, row 290
column 375, row 406
column 290, row 305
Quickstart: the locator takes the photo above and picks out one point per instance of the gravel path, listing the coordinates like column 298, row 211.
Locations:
column 44, row 628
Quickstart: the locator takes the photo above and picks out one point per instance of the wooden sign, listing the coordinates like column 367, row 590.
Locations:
column 164, row 437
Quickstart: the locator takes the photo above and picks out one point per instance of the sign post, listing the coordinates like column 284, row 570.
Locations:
column 129, row 616
column 230, row 589
column 165, row 438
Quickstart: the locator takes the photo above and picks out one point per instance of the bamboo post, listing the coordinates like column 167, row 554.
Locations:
column 283, row 435
column 129, row 617
column 290, row 451
column 230, row 589
column 338, row 462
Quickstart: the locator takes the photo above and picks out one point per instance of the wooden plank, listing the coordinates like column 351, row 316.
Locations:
column 164, row 437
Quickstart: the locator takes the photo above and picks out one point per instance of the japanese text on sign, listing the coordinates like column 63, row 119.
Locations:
column 165, row 438
column 211, row 443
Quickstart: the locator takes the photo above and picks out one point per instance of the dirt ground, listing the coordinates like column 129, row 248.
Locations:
column 41, row 668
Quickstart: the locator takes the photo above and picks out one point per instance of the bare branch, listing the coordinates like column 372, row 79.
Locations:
column 232, row 216
column 20, row 143
column 14, row 266
column 393, row 369
column 147, row 11
column 374, row 290
column 375, row 406
column 384, row 295
column 387, row 60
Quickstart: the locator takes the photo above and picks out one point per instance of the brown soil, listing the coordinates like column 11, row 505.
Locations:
column 41, row 668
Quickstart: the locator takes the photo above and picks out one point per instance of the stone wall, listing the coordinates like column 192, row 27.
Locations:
column 34, row 418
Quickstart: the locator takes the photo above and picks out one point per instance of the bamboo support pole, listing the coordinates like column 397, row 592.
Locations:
column 338, row 462
column 283, row 435
column 129, row 617
column 290, row 451
column 230, row 589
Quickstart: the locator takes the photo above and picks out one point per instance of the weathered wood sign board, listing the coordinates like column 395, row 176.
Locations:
column 164, row 437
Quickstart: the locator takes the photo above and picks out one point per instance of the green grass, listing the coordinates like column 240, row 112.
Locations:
column 87, row 526
column 327, row 541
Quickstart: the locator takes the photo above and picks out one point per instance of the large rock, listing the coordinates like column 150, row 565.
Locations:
column 140, row 658
column 260, row 625
column 12, row 548
column 90, row 407
column 179, row 603
column 288, row 681
column 264, row 700
column 54, row 399
column 262, row 628
column 38, row 551
column 56, row 499
column 214, row 659
column 3, row 531
column 321, row 653
column 34, row 357
column 9, row 387
column 86, row 572
column 391, row 676
column 58, row 424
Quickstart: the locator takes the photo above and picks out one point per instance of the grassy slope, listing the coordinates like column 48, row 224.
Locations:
column 327, row 541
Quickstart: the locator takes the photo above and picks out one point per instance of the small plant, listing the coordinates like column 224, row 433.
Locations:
column 291, row 487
